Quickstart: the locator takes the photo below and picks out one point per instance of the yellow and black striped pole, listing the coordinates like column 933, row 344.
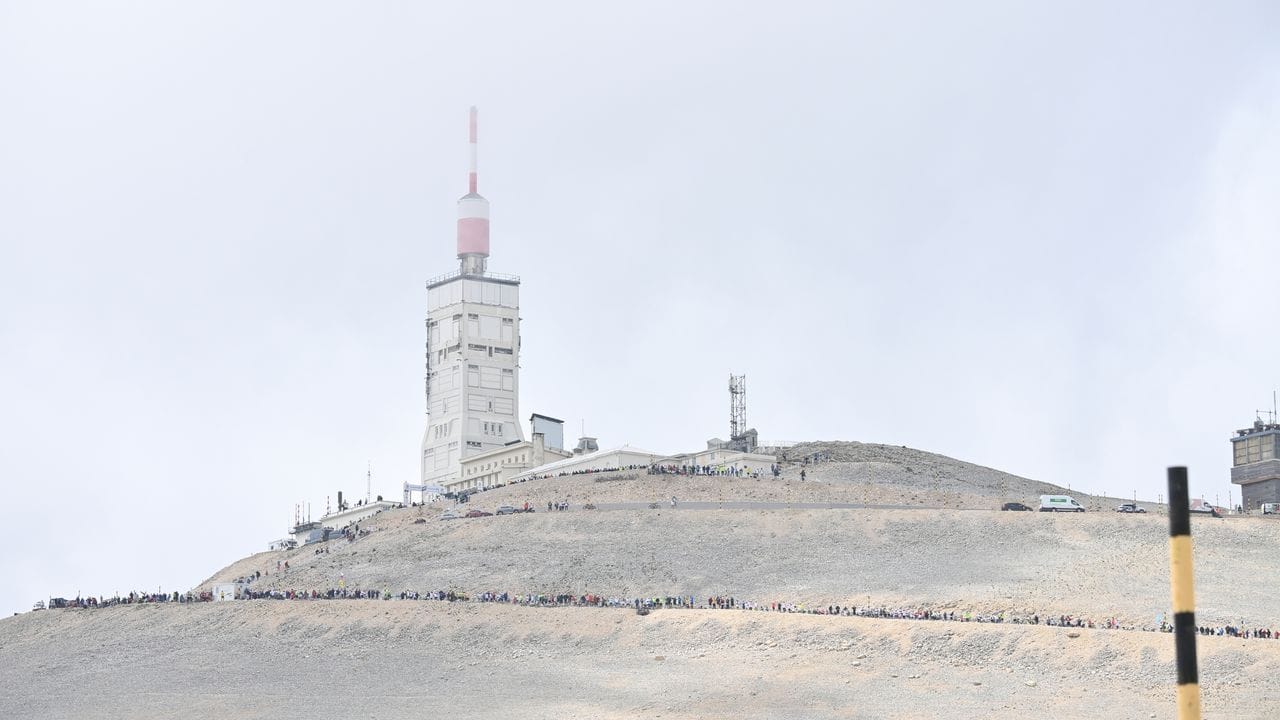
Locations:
column 1184, row 595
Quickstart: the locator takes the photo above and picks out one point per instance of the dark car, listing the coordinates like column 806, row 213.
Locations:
column 1015, row 506
column 478, row 513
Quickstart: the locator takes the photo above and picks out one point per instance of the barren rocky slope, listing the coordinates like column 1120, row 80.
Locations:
column 1096, row 564
column 856, row 473
column 267, row 658
column 271, row 659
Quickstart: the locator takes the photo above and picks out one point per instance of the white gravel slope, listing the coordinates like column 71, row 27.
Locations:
column 1099, row 565
column 273, row 659
column 367, row 659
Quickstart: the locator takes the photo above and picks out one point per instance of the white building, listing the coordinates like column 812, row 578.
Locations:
column 722, row 459
column 354, row 514
column 618, row 458
column 473, row 351
column 551, row 429
column 225, row 591
column 503, row 465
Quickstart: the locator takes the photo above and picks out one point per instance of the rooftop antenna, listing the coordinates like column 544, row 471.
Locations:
column 474, row 175
column 1271, row 414
column 473, row 215
column 368, row 482
column 737, row 405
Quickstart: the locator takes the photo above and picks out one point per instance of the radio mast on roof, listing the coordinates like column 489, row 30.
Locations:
column 737, row 406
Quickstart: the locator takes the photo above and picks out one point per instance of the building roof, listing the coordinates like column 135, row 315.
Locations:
column 1259, row 428
column 352, row 510
column 546, row 417
column 569, row 462
column 486, row 275
column 514, row 444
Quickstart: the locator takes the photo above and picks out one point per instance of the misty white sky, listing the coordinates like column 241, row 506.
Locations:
column 1038, row 238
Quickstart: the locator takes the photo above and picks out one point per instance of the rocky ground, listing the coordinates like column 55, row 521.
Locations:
column 856, row 473
column 367, row 659
column 349, row 658
column 1100, row 564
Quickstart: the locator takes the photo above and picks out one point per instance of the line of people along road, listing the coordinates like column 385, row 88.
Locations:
column 670, row 602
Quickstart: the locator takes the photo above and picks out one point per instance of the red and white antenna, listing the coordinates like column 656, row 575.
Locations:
column 472, row 179
column 473, row 216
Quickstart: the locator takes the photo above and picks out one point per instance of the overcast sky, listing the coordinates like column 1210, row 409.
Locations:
column 1040, row 237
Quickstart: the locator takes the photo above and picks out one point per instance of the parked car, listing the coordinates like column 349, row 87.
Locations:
column 1015, row 506
column 478, row 513
column 505, row 510
column 1270, row 508
column 38, row 606
column 1130, row 508
column 1059, row 503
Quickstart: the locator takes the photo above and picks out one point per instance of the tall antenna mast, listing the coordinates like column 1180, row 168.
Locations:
column 473, row 177
column 368, row 483
column 473, row 215
column 737, row 406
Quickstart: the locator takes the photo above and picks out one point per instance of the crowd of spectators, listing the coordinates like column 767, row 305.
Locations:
column 664, row 602
column 1229, row 631
column 133, row 598
column 583, row 471
column 711, row 470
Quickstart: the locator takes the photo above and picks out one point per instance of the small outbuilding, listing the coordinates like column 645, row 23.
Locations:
column 225, row 591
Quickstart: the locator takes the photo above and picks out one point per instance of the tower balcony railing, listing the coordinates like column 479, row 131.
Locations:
column 504, row 277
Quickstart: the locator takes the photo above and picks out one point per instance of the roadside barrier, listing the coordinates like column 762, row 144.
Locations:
column 1182, row 589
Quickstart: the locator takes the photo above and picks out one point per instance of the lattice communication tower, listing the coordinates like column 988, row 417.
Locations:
column 737, row 406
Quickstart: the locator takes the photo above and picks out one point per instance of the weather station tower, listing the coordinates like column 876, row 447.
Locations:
column 473, row 349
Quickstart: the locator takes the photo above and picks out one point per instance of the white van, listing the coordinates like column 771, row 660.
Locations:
column 1271, row 508
column 1059, row 503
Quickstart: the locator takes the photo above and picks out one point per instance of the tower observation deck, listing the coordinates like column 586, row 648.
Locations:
column 1255, row 465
